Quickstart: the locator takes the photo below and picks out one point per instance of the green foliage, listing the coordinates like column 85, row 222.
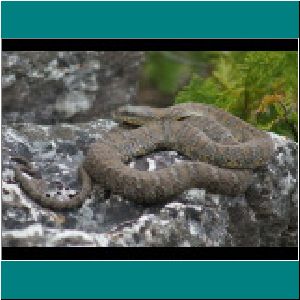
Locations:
column 167, row 71
column 163, row 73
column 257, row 86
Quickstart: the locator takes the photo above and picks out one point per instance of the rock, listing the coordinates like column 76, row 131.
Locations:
column 267, row 215
column 51, row 86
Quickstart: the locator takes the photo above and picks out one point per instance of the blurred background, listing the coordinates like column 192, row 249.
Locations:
column 50, row 87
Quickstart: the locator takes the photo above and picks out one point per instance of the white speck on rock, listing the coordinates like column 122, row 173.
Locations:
column 194, row 194
column 152, row 164
column 216, row 199
column 287, row 182
column 73, row 103
column 35, row 230
column 7, row 80
column 193, row 228
column 14, row 136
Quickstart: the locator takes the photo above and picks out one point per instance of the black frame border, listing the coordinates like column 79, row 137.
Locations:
column 150, row 44
column 149, row 253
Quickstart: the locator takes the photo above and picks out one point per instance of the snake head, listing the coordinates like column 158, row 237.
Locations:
column 135, row 115
column 185, row 115
column 139, row 115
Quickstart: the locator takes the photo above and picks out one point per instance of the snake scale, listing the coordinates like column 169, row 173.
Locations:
column 223, row 150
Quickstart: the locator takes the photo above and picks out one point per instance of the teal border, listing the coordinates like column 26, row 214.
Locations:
column 127, row 19
column 142, row 279
column 150, row 279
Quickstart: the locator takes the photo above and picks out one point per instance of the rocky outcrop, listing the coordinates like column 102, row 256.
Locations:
column 47, row 87
column 266, row 215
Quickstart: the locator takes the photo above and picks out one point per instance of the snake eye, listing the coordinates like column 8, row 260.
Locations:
column 182, row 118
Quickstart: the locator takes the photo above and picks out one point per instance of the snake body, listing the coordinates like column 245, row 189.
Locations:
column 224, row 151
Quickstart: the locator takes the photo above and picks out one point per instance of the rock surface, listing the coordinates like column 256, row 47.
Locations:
column 266, row 215
column 47, row 87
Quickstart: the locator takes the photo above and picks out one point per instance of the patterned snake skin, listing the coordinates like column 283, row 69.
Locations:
column 223, row 150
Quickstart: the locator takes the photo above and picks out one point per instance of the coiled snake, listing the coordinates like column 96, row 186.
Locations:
column 223, row 150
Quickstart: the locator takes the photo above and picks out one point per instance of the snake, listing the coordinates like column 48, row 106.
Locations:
column 223, row 151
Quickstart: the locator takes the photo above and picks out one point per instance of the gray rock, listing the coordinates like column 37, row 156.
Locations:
column 267, row 215
column 51, row 86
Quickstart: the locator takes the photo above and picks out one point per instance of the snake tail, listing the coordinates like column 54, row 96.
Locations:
column 35, row 189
